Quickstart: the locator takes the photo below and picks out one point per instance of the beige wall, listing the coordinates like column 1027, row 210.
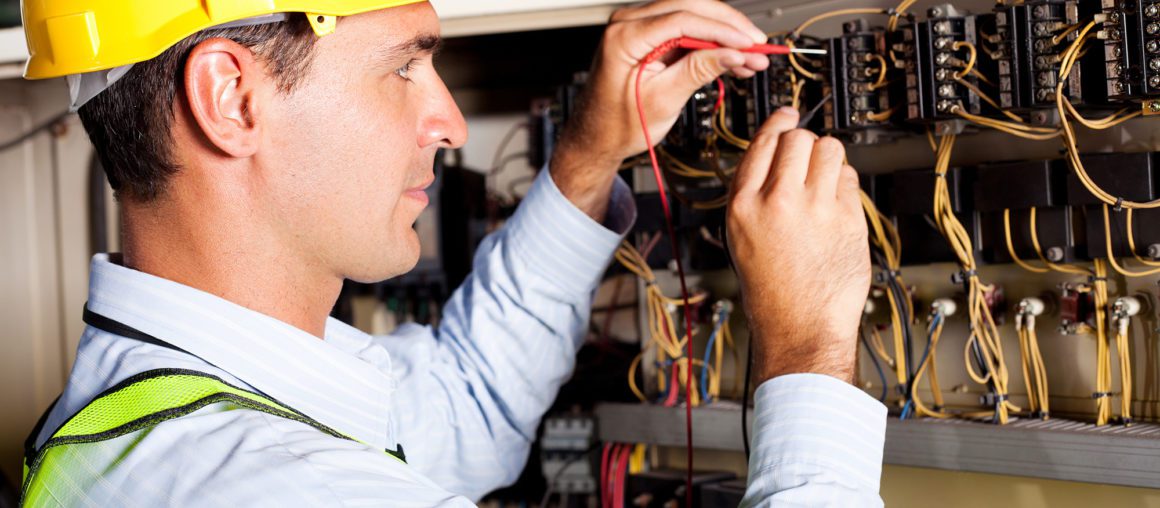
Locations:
column 44, row 250
column 907, row 487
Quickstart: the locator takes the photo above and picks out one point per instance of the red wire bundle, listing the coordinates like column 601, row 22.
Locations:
column 614, row 474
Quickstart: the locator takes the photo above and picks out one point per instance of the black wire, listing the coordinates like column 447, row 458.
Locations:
column 7, row 145
column 556, row 477
column 748, row 356
column 873, row 358
column 903, row 307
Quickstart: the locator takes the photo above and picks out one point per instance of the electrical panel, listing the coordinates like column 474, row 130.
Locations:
column 990, row 241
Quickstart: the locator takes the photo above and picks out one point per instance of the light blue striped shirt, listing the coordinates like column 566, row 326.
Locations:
column 464, row 399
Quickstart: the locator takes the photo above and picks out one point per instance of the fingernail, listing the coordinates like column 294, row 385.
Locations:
column 786, row 110
column 759, row 36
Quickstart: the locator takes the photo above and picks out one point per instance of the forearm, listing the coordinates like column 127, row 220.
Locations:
column 507, row 340
column 584, row 176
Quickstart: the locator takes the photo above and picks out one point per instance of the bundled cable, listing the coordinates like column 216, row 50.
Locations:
column 983, row 346
column 1065, row 110
column 1034, row 371
column 887, row 252
column 662, row 329
column 914, row 404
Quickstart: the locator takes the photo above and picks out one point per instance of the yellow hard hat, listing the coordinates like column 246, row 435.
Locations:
column 68, row 37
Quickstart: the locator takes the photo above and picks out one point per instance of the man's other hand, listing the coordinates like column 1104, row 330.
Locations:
column 606, row 127
column 798, row 237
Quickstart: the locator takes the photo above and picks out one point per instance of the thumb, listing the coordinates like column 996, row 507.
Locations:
column 685, row 76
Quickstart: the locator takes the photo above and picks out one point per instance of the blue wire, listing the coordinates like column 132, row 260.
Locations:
column 934, row 322
column 877, row 366
column 721, row 317
column 905, row 410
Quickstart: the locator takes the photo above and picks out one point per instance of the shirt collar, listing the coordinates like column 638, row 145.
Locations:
column 326, row 380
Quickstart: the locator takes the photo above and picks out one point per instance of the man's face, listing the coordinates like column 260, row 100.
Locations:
column 353, row 147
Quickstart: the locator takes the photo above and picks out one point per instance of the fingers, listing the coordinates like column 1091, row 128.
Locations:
column 849, row 189
column 755, row 165
column 657, row 30
column 689, row 74
column 706, row 8
column 826, row 163
column 791, row 163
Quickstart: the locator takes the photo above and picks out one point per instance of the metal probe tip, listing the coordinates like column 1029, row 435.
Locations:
column 809, row 51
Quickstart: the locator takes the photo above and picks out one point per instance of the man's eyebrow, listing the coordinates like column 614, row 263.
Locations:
column 422, row 43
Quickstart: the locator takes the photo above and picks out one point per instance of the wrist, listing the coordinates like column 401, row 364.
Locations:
column 824, row 355
column 584, row 180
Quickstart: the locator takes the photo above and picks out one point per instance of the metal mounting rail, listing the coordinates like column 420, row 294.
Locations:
column 1054, row 449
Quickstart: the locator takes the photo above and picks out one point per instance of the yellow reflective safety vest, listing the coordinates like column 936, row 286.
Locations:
column 135, row 404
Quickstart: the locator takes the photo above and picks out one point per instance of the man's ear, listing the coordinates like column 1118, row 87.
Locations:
column 224, row 84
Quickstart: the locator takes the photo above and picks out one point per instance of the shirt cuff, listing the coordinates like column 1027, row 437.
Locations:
column 818, row 422
column 561, row 242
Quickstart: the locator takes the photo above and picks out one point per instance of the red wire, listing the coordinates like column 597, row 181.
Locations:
column 605, row 465
column 622, row 476
column 652, row 154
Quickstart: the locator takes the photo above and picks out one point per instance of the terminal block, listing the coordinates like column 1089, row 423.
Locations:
column 1028, row 44
column 694, row 126
column 932, row 63
column 858, row 81
column 1131, row 34
column 755, row 99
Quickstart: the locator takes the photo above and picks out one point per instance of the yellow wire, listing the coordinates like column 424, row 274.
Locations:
column 1070, row 142
column 1132, row 242
column 832, row 14
column 970, row 65
column 881, row 70
column 1103, row 358
column 984, row 332
column 1111, row 255
column 797, row 66
column 1075, row 270
column 1011, row 246
column 632, row 377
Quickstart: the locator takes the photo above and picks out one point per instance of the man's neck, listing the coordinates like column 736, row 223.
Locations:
column 233, row 262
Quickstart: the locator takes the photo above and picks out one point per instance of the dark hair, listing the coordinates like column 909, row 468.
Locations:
column 130, row 123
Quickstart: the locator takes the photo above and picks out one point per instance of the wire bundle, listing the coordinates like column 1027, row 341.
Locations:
column 914, row 404
column 984, row 341
column 887, row 253
column 1066, row 109
column 617, row 461
column 662, row 331
column 1034, row 371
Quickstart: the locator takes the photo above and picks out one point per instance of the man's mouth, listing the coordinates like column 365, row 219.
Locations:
column 419, row 193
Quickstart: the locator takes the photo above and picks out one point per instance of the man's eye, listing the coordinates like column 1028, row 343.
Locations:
column 405, row 71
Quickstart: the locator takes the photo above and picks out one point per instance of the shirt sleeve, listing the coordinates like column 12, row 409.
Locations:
column 817, row 442
column 471, row 394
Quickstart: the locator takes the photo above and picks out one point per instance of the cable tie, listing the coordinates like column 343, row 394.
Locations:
column 1093, row 279
column 1101, row 395
column 893, row 11
column 999, row 399
column 1119, row 205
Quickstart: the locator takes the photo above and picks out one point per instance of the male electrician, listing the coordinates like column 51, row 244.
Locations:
column 265, row 150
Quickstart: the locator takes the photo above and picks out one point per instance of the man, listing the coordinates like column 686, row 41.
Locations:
column 261, row 163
